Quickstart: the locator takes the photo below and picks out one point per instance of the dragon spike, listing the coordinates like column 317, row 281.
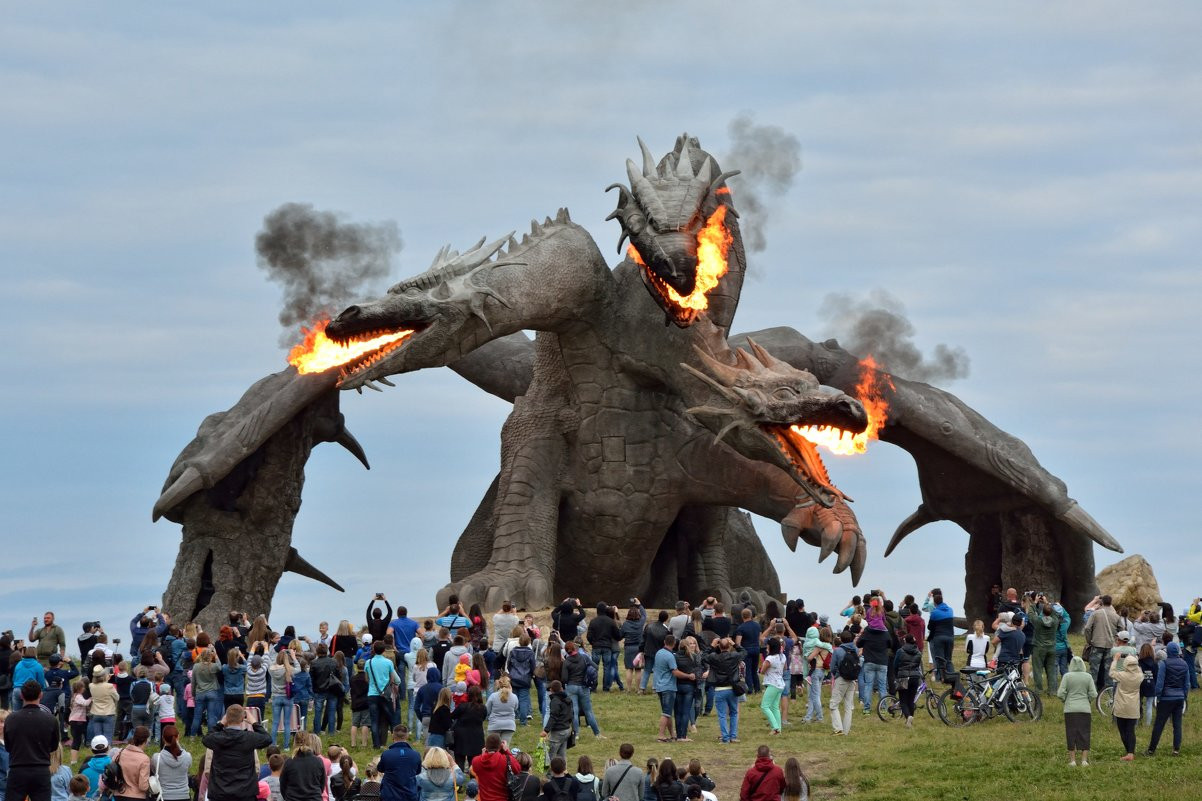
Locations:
column 513, row 243
column 721, row 179
column 561, row 216
column 768, row 360
column 706, row 173
column 921, row 516
column 684, row 163
column 348, row 441
column 370, row 384
column 744, row 361
column 725, row 373
column 724, row 391
column 645, row 193
column 295, row 563
column 648, row 159
column 621, row 239
column 384, row 380
column 189, row 482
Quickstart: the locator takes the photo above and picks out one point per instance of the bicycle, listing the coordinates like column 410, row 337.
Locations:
column 889, row 707
column 989, row 694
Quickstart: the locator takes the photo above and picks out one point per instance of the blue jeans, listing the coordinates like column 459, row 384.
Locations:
column 102, row 724
column 210, row 704
column 727, row 705
column 1062, row 661
column 941, row 655
column 872, row 677
column 437, row 741
column 325, row 710
column 178, row 680
column 814, row 700
column 523, row 694
column 752, row 661
column 540, row 685
column 1191, row 664
column 610, row 670
column 709, row 697
column 684, row 707
column 582, row 702
column 380, row 709
column 281, row 719
column 412, row 716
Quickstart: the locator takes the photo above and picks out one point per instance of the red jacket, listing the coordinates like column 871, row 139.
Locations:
column 489, row 770
column 764, row 782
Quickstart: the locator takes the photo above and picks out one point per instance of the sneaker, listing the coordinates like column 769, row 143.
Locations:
column 1085, row 763
column 1072, row 764
column 1149, row 753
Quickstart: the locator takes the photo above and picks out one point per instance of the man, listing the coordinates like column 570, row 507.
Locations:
column 503, row 623
column 232, row 773
column 575, row 672
column 666, row 674
column 50, row 639
column 843, row 686
column 452, row 658
column 874, row 646
column 623, row 779
column 653, row 640
column 323, row 672
column 491, row 768
column 567, row 617
column 747, row 637
column 604, row 635
column 707, row 608
column 148, row 619
column 1044, row 624
column 382, row 681
column 87, row 640
column 399, row 765
column 764, row 781
column 57, row 696
column 31, row 735
column 1062, row 649
column 404, row 629
column 1122, row 647
column 719, row 624
column 453, row 618
column 1100, row 631
column 1010, row 603
column 1008, row 640
column 678, row 621
column 378, row 620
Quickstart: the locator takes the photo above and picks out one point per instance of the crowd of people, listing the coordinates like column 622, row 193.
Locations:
column 459, row 685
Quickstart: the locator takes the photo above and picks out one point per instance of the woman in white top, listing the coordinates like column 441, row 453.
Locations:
column 772, row 673
column 976, row 645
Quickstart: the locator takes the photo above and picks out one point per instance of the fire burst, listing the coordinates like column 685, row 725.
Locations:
column 319, row 353
column 713, row 243
column 870, row 392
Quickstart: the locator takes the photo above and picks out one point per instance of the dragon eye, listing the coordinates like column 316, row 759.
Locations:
column 635, row 223
column 784, row 393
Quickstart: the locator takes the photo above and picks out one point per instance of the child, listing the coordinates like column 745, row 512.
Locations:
column 472, row 789
column 459, row 696
column 302, row 690
column 370, row 788
column 60, row 776
column 189, row 703
column 78, row 787
column 78, row 717
column 164, row 710
column 275, row 763
column 462, row 667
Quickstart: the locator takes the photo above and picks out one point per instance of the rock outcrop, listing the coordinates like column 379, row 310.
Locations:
column 1131, row 584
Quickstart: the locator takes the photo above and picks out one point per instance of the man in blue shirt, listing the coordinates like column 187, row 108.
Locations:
column 666, row 673
column 399, row 765
column 404, row 629
column 747, row 637
column 381, row 681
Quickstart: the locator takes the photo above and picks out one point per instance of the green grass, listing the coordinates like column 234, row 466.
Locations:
column 994, row 759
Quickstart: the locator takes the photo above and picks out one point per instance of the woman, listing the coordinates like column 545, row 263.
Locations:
column 584, row 775
column 287, row 638
column 480, row 667
column 816, row 650
column 257, row 680
column 345, row 643
column 281, row 705
column 907, row 667
column 303, row 777
column 468, row 726
column 1147, row 687
column 666, row 787
column 976, row 645
column 148, row 651
column 440, row 719
column 772, row 673
column 558, row 726
column 233, row 673
column 172, row 765
column 259, row 631
column 1172, row 686
column 6, row 674
column 478, row 631
column 502, row 709
column 532, row 787
column 724, row 665
column 206, row 690
column 344, row 785
column 686, row 662
column 632, row 644
column 135, row 766
column 103, row 712
column 440, row 778
column 1077, row 690
column 797, row 787
column 225, row 643
column 345, row 677
column 1129, row 681
column 941, row 634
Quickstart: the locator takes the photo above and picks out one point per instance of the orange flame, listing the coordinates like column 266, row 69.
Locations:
column 870, row 392
column 319, row 353
column 713, row 243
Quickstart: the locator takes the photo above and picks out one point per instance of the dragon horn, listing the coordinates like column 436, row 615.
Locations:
column 745, row 362
column 721, row 179
column 725, row 392
column 295, row 563
column 706, row 172
column 725, row 373
column 684, row 163
column 767, row 359
column 648, row 159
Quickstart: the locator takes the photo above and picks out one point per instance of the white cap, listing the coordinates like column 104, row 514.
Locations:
column 366, row 639
column 100, row 743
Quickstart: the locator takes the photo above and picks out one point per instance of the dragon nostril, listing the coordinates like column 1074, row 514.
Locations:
column 349, row 313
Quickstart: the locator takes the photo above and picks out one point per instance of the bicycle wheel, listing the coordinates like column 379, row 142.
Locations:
column 1022, row 705
column 958, row 712
column 931, row 702
column 889, row 708
column 1105, row 702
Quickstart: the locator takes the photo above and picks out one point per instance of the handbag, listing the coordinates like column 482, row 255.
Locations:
column 540, row 671
column 156, row 788
column 640, row 659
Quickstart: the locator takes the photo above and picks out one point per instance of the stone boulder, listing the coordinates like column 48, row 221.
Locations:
column 1131, row 584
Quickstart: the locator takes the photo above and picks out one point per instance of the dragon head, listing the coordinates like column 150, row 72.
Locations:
column 419, row 319
column 757, row 402
column 673, row 213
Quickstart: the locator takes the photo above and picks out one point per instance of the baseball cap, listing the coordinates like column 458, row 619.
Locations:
column 824, row 619
column 100, row 743
column 56, row 658
column 367, row 639
column 1123, row 635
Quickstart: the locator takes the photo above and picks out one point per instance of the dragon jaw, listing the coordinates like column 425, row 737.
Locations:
column 759, row 399
column 673, row 214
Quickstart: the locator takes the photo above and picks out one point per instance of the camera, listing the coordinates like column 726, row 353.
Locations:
column 116, row 641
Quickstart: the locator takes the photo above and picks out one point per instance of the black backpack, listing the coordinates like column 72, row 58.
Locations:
column 849, row 666
column 590, row 675
column 586, row 791
column 114, row 779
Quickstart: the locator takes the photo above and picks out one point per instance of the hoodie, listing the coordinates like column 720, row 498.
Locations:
column 1172, row 676
column 940, row 622
column 813, row 642
column 450, row 661
column 426, row 697
column 765, row 781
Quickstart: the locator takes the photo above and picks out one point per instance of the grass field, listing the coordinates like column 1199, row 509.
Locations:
column 994, row 759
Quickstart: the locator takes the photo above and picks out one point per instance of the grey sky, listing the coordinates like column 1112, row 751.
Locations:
column 1025, row 180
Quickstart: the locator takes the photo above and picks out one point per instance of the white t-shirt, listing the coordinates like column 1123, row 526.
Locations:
column 979, row 642
column 774, row 676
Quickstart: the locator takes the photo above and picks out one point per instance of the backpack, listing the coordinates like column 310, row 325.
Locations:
column 515, row 783
column 849, row 665
column 136, row 695
column 586, row 791
column 826, row 659
column 520, row 669
column 113, row 779
column 590, row 675
column 561, row 790
column 166, row 650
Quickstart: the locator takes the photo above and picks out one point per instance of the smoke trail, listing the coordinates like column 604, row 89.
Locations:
column 322, row 263
column 770, row 159
column 878, row 326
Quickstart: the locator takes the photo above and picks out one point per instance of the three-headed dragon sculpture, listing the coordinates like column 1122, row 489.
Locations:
column 641, row 434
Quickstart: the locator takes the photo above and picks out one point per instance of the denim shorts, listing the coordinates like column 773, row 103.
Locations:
column 667, row 702
column 361, row 717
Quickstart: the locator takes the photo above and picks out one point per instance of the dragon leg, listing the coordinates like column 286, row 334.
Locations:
column 712, row 550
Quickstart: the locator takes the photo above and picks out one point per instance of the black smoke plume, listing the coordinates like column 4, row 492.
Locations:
column 322, row 263
column 877, row 326
column 769, row 158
